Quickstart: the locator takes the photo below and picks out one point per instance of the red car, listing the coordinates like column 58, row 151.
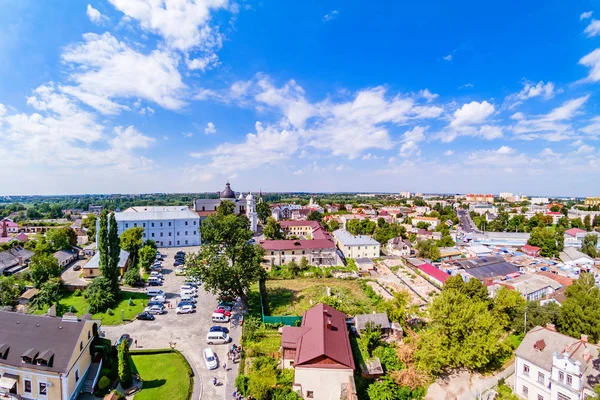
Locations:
column 224, row 312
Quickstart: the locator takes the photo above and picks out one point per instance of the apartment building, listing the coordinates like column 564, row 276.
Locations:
column 356, row 246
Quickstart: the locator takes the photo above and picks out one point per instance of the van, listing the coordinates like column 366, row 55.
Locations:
column 217, row 338
column 189, row 299
column 188, row 293
column 188, row 287
column 153, row 280
column 218, row 317
column 154, row 292
column 156, row 274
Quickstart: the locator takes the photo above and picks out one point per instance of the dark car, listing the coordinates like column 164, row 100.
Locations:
column 155, row 303
column 155, row 283
column 219, row 329
column 186, row 303
column 125, row 338
column 146, row 316
column 76, row 267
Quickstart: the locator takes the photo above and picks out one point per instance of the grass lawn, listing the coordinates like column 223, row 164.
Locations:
column 267, row 343
column 293, row 297
column 164, row 376
column 81, row 306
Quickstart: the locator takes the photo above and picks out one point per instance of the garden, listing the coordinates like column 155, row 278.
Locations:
column 162, row 374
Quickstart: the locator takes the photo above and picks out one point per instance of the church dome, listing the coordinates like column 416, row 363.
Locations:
column 228, row 193
column 249, row 197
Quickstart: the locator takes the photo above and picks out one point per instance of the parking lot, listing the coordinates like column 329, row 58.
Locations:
column 186, row 331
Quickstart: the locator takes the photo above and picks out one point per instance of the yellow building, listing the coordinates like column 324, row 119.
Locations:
column 592, row 201
column 46, row 358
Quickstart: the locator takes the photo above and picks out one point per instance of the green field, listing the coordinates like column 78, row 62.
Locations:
column 81, row 306
column 164, row 376
column 293, row 297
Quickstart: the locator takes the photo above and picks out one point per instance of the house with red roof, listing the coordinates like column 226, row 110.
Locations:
column 530, row 250
column 320, row 353
column 433, row 274
column 574, row 236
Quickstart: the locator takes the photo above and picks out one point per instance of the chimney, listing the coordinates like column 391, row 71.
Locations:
column 551, row 327
column 329, row 323
column 20, row 259
column 584, row 338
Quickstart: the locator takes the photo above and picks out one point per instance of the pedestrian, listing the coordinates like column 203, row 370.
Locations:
column 135, row 341
column 225, row 366
column 214, row 381
column 234, row 394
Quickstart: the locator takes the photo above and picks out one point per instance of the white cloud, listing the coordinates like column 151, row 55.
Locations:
column 427, row 95
column 210, row 129
column 106, row 71
column 505, row 150
column 448, row 57
column 289, row 98
column 203, row 63
column 188, row 134
column 332, row 15
column 472, row 113
column 2, row 110
column 593, row 29
column 409, row 149
column 548, row 152
column 585, row 15
column 370, row 156
column 593, row 128
column 585, row 149
column 592, row 60
column 489, row 132
column 466, row 85
column 530, row 90
column 448, row 153
column 417, row 134
column 95, row 16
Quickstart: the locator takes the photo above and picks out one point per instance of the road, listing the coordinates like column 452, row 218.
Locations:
column 186, row 331
column 466, row 223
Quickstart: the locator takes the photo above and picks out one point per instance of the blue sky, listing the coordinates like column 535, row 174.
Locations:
column 128, row 96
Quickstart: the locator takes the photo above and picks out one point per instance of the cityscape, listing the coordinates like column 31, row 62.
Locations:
column 270, row 200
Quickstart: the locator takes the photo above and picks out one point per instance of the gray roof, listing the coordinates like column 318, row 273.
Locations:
column 24, row 332
column 10, row 258
column 63, row 255
column 379, row 319
column 95, row 261
column 540, row 344
column 156, row 213
column 348, row 239
column 572, row 254
column 492, row 271
column 528, row 283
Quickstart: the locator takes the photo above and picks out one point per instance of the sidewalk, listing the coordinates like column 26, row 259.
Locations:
column 235, row 332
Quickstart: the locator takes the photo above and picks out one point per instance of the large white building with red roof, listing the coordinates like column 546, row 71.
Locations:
column 320, row 353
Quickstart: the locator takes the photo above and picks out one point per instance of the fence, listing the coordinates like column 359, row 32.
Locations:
column 289, row 320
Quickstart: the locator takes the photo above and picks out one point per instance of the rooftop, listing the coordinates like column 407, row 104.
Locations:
column 95, row 260
column 434, row 272
column 348, row 239
column 297, row 244
column 156, row 213
column 528, row 283
column 378, row 319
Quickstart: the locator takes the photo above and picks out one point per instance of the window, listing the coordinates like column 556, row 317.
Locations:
column 153, row 224
column 135, row 224
column 310, row 394
column 126, row 225
column 561, row 376
column 293, row 252
column 178, row 233
column 161, row 224
column 43, row 391
column 80, row 346
column 525, row 390
column 161, row 234
column 144, row 234
column 169, row 233
column 194, row 222
column 569, row 380
column 27, row 386
column 541, row 377
column 186, row 233
column 185, row 223
column 169, row 224
column 562, row 396
column 272, row 253
column 194, row 233
column 303, row 252
column 89, row 334
column 525, row 369
column 144, row 224
column 169, row 242
column 152, row 234
column 76, row 375
column 186, row 242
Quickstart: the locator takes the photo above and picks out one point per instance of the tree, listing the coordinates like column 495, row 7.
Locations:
column 475, row 290
column 587, row 222
column 353, row 226
column 314, row 216
column 227, row 262
column 428, row 249
column 263, row 211
column 103, row 243
column 423, row 225
column 580, row 312
column 272, row 230
column 43, row 267
column 114, row 251
column 58, row 239
column 446, row 241
column 132, row 276
column 333, row 225
column 397, row 308
column 131, row 240
column 555, row 208
column 100, row 295
column 125, row 376
column 49, row 294
column 537, row 315
column 147, row 255
column 225, row 208
column 304, row 265
column 589, row 245
column 293, row 267
column 550, row 240
column 89, row 223
column 151, row 243
column 9, row 291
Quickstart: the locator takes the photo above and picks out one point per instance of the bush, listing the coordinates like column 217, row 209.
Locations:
column 130, row 302
column 125, row 376
column 72, row 309
column 286, row 377
column 132, row 276
column 241, row 382
column 251, row 327
column 78, row 293
column 104, row 383
column 100, row 295
column 110, row 312
column 105, row 372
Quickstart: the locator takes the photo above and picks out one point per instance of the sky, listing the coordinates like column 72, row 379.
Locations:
column 137, row 96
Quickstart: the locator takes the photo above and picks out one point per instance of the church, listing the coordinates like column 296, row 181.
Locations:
column 243, row 205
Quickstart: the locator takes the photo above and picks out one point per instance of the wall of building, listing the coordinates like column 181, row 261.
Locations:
column 325, row 383
column 314, row 257
column 357, row 251
column 530, row 381
column 52, row 381
column 167, row 232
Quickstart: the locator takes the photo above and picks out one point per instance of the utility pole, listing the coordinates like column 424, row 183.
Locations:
column 525, row 325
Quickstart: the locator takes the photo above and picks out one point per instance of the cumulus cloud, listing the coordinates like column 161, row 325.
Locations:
column 593, row 29
column 95, row 16
column 425, row 93
column 548, row 152
column 530, row 90
column 592, row 60
column 449, row 153
column 472, row 113
column 448, row 57
column 584, row 149
column 585, row 15
column 210, row 129
column 409, row 149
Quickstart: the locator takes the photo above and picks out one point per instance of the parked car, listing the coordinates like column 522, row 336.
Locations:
column 185, row 309
column 76, row 267
column 145, row 316
column 186, row 303
column 222, row 307
column 155, row 282
column 125, row 338
column 155, row 309
column 217, row 338
column 160, row 298
column 180, row 272
column 226, row 304
column 224, row 312
column 189, row 299
column 178, row 263
column 218, row 317
column 154, row 292
column 217, row 328
column 188, row 288
column 155, row 303
column 194, row 282
column 210, row 359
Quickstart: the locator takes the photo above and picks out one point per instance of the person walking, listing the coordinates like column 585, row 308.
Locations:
column 135, row 341
column 224, row 366
column 214, row 381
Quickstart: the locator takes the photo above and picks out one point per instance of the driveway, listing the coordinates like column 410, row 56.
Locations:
column 71, row 277
column 187, row 332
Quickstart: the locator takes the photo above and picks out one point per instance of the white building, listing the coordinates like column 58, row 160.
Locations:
column 553, row 366
column 433, row 222
column 356, row 246
column 168, row 226
column 539, row 200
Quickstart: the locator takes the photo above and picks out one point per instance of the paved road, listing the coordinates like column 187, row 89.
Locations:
column 187, row 331
column 466, row 223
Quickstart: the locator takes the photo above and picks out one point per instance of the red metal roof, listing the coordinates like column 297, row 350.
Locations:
column 530, row 248
column 297, row 244
column 325, row 344
column 434, row 272
column 574, row 231
column 313, row 224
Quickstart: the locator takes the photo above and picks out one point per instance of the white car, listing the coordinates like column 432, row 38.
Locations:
column 210, row 359
column 161, row 299
column 185, row 309
column 157, row 275
column 155, row 310
column 186, row 288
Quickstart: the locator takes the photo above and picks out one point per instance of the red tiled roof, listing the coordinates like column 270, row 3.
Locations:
column 297, row 244
column 574, row 231
column 206, row 213
column 530, row 248
column 434, row 272
column 290, row 336
column 563, row 280
column 325, row 344
column 313, row 224
column 553, row 213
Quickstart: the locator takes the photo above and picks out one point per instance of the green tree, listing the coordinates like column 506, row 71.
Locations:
column 9, row 290
column 132, row 276
column 353, row 226
column 304, row 265
column 589, row 245
column 333, row 225
column 263, row 211
column 58, row 238
column 131, row 240
column 507, row 308
column 550, row 240
column 314, row 216
column 537, row 315
column 103, row 243
column 475, row 290
column 43, row 267
column 397, row 308
column 151, row 243
column 446, row 241
column 227, row 262
column 114, row 251
column 587, row 222
column 293, row 267
column 580, row 312
column 100, row 295
column 225, row 208
column 50, row 293
column 89, row 223
column 428, row 249
column 555, row 208
column 423, row 225
column 147, row 255
column 272, row 230
column 124, row 366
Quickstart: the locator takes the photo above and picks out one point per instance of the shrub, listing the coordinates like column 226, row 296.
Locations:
column 77, row 293
column 105, row 372
column 286, row 377
column 100, row 295
column 130, row 302
column 110, row 312
column 251, row 328
column 132, row 276
column 72, row 309
column 125, row 376
column 241, row 382
column 104, row 383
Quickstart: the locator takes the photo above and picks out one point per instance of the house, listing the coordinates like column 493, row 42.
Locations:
column 46, row 358
column 28, row 296
column 19, row 237
column 14, row 260
column 65, row 257
column 82, row 237
column 300, row 229
column 556, row 216
column 364, row 264
column 553, row 366
column 356, row 246
column 8, row 226
column 574, row 236
column 92, row 268
column 489, row 198
column 483, row 208
column 530, row 250
column 399, row 247
column 379, row 321
column 484, row 268
column 533, row 287
column 432, row 222
column 575, row 258
column 478, row 251
column 320, row 353
column 433, row 274
column 450, row 253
